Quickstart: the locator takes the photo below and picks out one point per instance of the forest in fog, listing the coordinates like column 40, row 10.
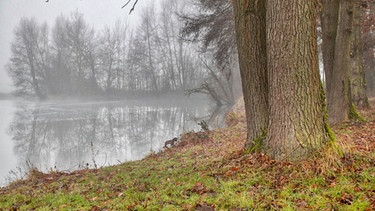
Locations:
column 73, row 59
column 177, row 46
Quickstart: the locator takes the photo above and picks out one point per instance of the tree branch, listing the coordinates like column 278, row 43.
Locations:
column 132, row 9
column 126, row 4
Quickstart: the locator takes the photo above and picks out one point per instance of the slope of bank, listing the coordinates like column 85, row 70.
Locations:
column 208, row 171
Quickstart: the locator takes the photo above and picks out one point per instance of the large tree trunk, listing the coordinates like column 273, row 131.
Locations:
column 250, row 24
column 358, row 81
column 298, row 123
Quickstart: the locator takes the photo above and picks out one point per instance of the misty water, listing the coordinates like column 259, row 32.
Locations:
column 74, row 135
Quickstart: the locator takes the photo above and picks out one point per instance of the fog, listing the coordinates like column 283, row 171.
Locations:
column 98, row 86
column 96, row 12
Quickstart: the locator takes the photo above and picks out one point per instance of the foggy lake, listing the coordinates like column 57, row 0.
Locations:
column 74, row 135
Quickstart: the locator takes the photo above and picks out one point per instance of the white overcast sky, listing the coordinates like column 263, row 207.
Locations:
column 96, row 12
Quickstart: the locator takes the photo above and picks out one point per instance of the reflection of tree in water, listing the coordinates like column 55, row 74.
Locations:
column 69, row 137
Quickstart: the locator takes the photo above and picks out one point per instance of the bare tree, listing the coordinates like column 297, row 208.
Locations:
column 170, row 47
column 79, row 41
column 111, row 50
column 143, row 51
column 30, row 60
column 61, row 80
column 178, row 58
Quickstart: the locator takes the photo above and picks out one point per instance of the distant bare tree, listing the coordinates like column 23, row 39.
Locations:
column 178, row 58
column 80, row 38
column 30, row 59
column 111, row 54
column 169, row 46
column 108, row 46
column 143, row 55
column 61, row 80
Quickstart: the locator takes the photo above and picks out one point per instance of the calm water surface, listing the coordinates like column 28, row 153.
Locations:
column 8, row 160
column 75, row 135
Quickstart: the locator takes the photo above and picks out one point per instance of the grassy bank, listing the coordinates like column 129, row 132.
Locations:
column 208, row 171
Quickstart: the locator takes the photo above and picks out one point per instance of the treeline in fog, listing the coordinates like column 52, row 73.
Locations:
column 71, row 58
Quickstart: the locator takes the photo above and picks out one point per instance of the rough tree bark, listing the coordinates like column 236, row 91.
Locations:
column 284, row 98
column 298, row 124
column 250, row 25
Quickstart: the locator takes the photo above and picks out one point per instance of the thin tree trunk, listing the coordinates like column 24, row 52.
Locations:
column 150, row 55
column 340, row 107
column 35, row 82
column 250, row 25
column 329, row 21
column 297, row 121
column 358, row 81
